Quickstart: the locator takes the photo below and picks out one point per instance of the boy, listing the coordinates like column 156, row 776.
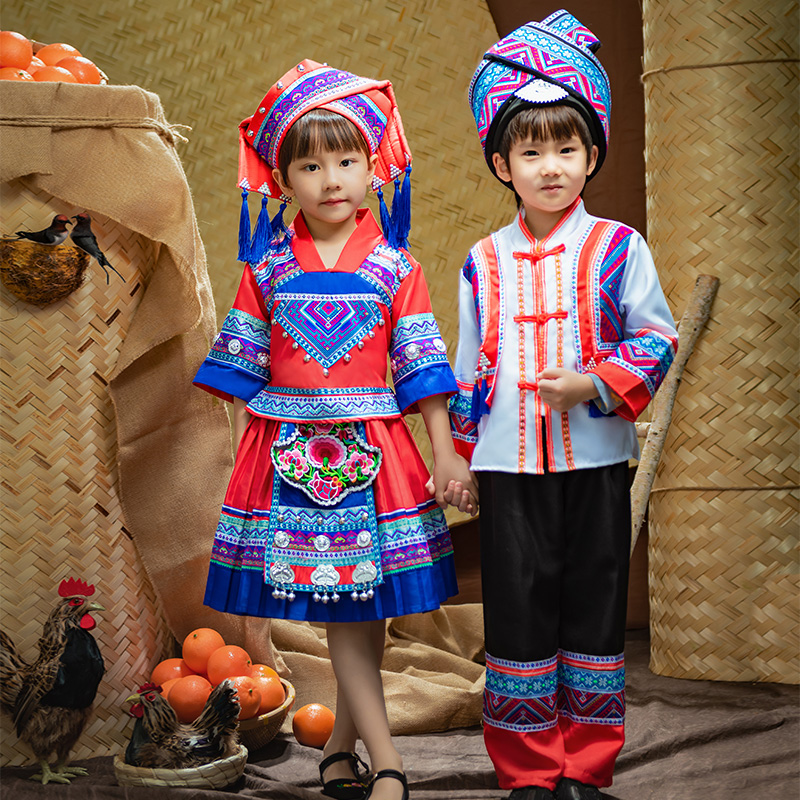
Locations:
column 564, row 338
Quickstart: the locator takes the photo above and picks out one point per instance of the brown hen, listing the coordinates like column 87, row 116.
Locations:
column 160, row 740
column 51, row 699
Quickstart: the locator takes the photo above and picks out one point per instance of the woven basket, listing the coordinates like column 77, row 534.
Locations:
column 216, row 775
column 260, row 731
column 721, row 85
column 61, row 514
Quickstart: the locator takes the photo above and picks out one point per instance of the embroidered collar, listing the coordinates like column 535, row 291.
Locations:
column 364, row 239
column 573, row 216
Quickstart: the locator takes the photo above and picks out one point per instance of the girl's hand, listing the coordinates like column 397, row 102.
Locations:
column 563, row 389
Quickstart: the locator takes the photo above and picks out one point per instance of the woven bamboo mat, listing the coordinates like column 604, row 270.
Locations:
column 61, row 512
column 212, row 62
column 721, row 83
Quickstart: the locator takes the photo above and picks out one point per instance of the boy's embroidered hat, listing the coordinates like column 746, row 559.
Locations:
column 369, row 104
column 541, row 63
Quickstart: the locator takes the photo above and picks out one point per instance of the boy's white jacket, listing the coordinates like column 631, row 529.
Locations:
column 586, row 298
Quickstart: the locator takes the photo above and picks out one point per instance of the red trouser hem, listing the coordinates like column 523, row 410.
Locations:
column 585, row 752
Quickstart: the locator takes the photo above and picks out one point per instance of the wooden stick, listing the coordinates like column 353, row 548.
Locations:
column 693, row 321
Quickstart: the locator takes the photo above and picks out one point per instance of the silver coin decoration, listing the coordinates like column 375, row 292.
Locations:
column 321, row 543
column 234, row 347
column 364, row 539
column 282, row 539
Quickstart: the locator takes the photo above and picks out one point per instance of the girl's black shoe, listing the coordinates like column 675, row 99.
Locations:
column 389, row 773
column 345, row 788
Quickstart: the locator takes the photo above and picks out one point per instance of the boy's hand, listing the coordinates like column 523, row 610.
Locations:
column 456, row 495
column 563, row 389
column 453, row 484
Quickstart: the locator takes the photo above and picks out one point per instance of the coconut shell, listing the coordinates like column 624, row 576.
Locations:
column 41, row 274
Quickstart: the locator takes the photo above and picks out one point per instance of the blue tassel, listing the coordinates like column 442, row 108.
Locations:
column 279, row 233
column 475, row 408
column 479, row 407
column 244, row 229
column 386, row 220
column 261, row 237
column 401, row 209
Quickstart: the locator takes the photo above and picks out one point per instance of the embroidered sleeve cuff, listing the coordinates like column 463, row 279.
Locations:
column 435, row 379
column 607, row 401
column 227, row 382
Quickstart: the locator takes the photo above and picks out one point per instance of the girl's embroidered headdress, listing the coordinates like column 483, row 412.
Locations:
column 541, row 63
column 369, row 104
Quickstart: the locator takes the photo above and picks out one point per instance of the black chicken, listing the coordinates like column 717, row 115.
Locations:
column 160, row 740
column 51, row 699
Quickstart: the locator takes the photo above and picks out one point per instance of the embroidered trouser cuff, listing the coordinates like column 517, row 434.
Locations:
column 561, row 717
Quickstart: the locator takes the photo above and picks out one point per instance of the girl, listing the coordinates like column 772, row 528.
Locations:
column 327, row 517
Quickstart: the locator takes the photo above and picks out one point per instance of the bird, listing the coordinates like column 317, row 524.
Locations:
column 53, row 234
column 50, row 700
column 85, row 240
column 160, row 740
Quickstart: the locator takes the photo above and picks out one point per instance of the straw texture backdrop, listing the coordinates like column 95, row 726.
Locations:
column 721, row 89
column 61, row 508
column 211, row 63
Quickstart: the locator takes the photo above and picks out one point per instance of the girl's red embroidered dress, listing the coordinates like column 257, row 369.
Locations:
column 327, row 517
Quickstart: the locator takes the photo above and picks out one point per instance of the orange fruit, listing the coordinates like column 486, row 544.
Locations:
column 167, row 685
column 249, row 696
column 188, row 697
column 170, row 668
column 262, row 670
column 199, row 645
column 312, row 725
column 83, row 69
column 272, row 693
column 48, row 73
column 36, row 63
column 14, row 74
column 16, row 50
column 229, row 661
column 51, row 54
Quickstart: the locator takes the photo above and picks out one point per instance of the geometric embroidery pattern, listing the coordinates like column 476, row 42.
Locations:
column 243, row 343
column 520, row 696
column 416, row 343
column 557, row 50
column 591, row 689
column 327, row 327
column 648, row 356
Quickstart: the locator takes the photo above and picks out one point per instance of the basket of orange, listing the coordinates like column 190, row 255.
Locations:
column 206, row 661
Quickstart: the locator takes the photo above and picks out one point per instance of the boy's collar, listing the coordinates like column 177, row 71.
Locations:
column 364, row 239
column 571, row 215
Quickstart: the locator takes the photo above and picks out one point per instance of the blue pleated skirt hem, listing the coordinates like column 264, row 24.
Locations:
column 245, row 593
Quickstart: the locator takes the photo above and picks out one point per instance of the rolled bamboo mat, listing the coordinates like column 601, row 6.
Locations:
column 61, row 514
column 721, row 83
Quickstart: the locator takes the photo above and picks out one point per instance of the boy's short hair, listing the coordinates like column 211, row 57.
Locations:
column 319, row 130
column 545, row 123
